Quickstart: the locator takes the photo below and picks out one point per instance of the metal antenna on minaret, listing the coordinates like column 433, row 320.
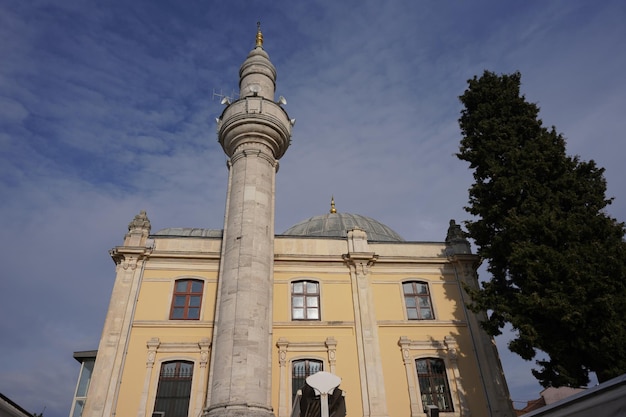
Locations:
column 221, row 96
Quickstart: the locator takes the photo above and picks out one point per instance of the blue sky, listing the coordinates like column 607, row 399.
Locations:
column 107, row 108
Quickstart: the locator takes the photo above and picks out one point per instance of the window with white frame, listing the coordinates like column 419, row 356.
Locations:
column 84, row 378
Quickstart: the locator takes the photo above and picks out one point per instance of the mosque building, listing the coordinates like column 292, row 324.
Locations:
column 230, row 322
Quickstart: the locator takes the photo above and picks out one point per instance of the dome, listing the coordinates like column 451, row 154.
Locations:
column 337, row 225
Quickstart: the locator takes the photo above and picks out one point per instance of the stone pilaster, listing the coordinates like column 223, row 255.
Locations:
column 360, row 261
column 129, row 260
column 465, row 264
column 152, row 346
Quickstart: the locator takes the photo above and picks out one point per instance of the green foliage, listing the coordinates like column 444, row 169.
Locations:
column 557, row 260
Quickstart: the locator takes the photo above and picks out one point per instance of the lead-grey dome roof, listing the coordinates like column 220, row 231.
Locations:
column 337, row 225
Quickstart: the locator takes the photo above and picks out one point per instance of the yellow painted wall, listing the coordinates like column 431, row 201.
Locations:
column 337, row 320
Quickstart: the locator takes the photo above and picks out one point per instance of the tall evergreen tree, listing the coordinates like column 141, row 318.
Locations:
column 557, row 261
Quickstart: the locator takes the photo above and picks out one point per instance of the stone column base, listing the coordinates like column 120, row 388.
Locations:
column 238, row 410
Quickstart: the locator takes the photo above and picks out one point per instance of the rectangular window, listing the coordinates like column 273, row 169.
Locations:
column 433, row 381
column 417, row 301
column 80, row 396
column 174, row 389
column 187, row 299
column 300, row 370
column 305, row 300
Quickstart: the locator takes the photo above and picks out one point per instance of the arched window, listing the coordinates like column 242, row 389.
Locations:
column 433, row 381
column 305, row 300
column 174, row 390
column 300, row 370
column 187, row 299
column 417, row 300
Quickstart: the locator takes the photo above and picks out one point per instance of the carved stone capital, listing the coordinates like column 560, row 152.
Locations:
column 153, row 345
column 204, row 345
column 361, row 262
column 282, row 345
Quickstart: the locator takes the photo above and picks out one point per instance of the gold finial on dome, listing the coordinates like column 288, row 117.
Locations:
column 259, row 35
column 332, row 205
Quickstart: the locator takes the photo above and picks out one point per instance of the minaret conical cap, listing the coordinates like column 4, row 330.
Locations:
column 257, row 75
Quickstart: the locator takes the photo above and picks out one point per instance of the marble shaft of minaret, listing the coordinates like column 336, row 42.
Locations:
column 254, row 132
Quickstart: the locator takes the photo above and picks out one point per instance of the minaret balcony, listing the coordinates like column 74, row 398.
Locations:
column 254, row 119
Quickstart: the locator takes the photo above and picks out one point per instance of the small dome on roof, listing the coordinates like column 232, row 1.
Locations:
column 337, row 225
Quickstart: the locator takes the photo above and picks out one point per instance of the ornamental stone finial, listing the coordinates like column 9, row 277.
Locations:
column 140, row 221
column 455, row 234
column 138, row 230
column 456, row 239
column 259, row 35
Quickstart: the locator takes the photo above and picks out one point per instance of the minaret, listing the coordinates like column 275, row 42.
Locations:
column 254, row 132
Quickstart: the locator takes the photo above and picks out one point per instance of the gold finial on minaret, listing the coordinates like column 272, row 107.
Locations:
column 332, row 205
column 259, row 35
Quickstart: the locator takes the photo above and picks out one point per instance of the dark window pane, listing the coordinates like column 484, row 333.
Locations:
column 300, row 370
column 174, row 389
column 196, row 286
column 186, row 306
column 433, row 383
column 193, row 313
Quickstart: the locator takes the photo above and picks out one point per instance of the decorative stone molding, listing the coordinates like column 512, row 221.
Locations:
column 156, row 347
column 204, row 345
column 456, row 240
column 153, row 345
column 138, row 230
column 444, row 349
column 284, row 346
column 331, row 345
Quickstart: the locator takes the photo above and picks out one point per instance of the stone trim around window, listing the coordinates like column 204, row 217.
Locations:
column 308, row 350
column 447, row 351
column 159, row 352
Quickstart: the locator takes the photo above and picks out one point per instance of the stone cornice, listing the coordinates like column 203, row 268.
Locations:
column 307, row 324
column 179, row 324
column 422, row 323
column 119, row 253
